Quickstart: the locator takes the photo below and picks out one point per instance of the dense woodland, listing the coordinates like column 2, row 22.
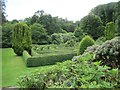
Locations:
column 93, row 41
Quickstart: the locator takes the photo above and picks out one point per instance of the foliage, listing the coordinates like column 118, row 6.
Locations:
column 56, row 38
column 92, row 25
column 3, row 13
column 70, row 43
column 21, row 38
column 110, row 31
column 118, row 25
column 107, row 12
column 79, row 33
column 91, row 49
column 100, row 40
column 84, row 43
column 109, row 52
column 42, row 60
column 49, row 54
column 72, row 74
column 67, row 37
column 7, row 29
column 39, row 34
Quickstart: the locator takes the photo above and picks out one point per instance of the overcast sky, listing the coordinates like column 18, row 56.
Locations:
column 70, row 9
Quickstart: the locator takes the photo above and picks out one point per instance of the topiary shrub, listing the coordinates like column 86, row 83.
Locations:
column 84, row 43
column 109, row 52
column 21, row 39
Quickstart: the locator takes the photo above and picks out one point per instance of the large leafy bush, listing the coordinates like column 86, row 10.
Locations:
column 109, row 52
column 84, row 43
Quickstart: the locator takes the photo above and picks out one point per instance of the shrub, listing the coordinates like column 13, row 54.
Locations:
column 84, row 43
column 21, row 38
column 109, row 52
column 110, row 31
column 48, row 59
column 79, row 34
column 100, row 40
column 91, row 49
column 56, row 38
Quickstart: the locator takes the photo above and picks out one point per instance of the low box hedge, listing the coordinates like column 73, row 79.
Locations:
column 34, row 53
column 48, row 59
column 25, row 55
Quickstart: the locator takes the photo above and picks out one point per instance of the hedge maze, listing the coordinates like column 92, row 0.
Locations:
column 48, row 55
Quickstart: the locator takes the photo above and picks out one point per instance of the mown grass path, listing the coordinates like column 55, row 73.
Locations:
column 13, row 66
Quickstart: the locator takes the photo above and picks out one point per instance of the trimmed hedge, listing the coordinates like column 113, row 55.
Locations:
column 26, row 55
column 48, row 59
column 33, row 53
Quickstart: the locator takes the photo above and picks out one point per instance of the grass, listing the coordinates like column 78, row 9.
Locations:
column 13, row 67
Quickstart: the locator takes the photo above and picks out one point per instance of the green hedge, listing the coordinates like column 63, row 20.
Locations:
column 33, row 53
column 48, row 59
column 25, row 55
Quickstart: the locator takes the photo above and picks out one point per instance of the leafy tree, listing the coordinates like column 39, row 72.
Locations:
column 7, row 29
column 110, row 31
column 51, row 24
column 14, row 21
column 107, row 12
column 79, row 33
column 39, row 34
column 34, row 19
column 21, row 38
column 2, row 11
column 92, row 25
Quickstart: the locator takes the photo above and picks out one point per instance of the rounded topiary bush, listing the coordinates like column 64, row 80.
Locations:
column 84, row 43
column 109, row 52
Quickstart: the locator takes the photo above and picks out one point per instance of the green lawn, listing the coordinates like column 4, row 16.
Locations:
column 12, row 67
